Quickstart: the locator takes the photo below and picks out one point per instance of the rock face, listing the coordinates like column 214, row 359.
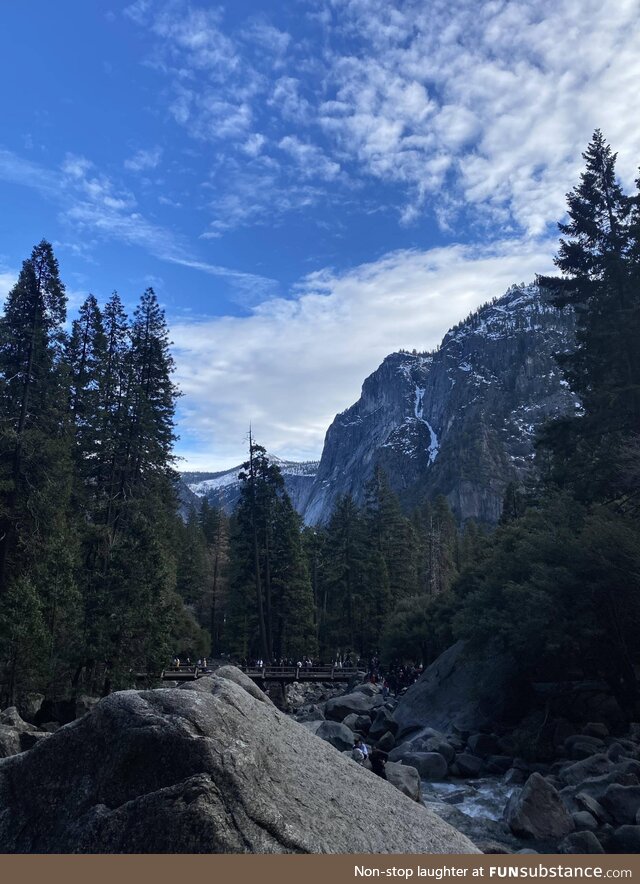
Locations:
column 460, row 421
column 205, row 768
column 461, row 693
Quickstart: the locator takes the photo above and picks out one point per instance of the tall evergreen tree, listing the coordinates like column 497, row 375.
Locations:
column 393, row 536
column 215, row 528
column 595, row 260
column 356, row 583
column 37, row 541
column 270, row 595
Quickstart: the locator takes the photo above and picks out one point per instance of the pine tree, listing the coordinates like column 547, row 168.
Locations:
column 354, row 576
column 270, row 596
column 85, row 359
column 215, row 528
column 293, row 620
column 393, row 536
column 438, row 546
column 31, row 336
column 37, row 541
column 598, row 281
column 192, row 563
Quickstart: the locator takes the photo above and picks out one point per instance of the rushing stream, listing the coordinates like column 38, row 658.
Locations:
column 484, row 798
column 476, row 808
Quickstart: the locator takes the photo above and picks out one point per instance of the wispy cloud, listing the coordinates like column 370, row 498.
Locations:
column 92, row 203
column 311, row 161
column 292, row 364
column 144, row 160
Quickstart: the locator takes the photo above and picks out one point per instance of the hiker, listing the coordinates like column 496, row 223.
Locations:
column 359, row 746
column 378, row 760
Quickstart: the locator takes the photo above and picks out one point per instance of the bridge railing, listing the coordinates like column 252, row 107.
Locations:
column 184, row 673
column 304, row 673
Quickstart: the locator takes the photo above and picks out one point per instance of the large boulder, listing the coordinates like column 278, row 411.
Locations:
column 537, row 811
column 463, row 693
column 580, row 842
column 203, row 769
column 594, row 766
column 405, row 778
column 359, row 724
column 338, row 735
column 467, row 765
column 622, row 803
column 484, row 744
column 626, row 839
column 359, row 703
column 386, row 742
column 10, row 717
column 430, row 765
column 242, row 679
column 382, row 722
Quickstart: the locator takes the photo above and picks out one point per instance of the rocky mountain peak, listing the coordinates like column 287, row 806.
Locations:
column 460, row 421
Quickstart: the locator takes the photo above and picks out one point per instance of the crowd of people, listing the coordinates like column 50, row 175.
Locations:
column 179, row 663
column 394, row 679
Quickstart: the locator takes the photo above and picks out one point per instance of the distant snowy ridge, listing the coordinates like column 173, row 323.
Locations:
column 223, row 488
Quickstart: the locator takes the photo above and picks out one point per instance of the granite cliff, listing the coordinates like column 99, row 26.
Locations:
column 460, row 421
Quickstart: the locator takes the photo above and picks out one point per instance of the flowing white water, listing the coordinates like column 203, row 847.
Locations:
column 434, row 445
column 484, row 798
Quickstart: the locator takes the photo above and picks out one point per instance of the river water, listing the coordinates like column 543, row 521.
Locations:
column 483, row 798
column 476, row 808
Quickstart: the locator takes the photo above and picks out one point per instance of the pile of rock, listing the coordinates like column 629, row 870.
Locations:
column 597, row 784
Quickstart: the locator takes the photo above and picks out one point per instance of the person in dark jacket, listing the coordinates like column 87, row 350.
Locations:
column 378, row 760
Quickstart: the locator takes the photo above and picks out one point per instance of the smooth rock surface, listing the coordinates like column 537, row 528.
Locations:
column 458, row 692
column 203, row 769
column 430, row 765
column 467, row 765
column 232, row 673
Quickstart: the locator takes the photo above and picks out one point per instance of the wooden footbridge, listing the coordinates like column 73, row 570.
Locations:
column 288, row 674
column 262, row 674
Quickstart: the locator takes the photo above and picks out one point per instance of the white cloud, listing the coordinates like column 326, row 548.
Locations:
column 475, row 106
column 144, row 159
column 138, row 10
column 268, row 37
column 254, row 144
column 7, row 281
column 287, row 99
column 291, row 365
column 488, row 103
column 311, row 161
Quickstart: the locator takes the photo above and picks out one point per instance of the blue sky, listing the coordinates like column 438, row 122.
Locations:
column 308, row 185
